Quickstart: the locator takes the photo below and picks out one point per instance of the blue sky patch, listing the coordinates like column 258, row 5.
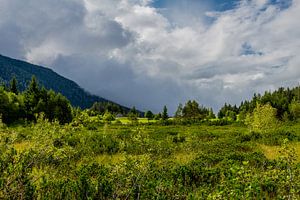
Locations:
column 283, row 4
column 247, row 49
column 217, row 5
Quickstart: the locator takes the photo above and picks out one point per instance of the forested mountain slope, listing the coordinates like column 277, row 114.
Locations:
column 23, row 72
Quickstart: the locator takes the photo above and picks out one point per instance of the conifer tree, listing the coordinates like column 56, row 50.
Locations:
column 14, row 85
column 165, row 113
column 33, row 87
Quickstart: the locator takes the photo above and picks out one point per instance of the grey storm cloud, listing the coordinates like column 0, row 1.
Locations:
column 135, row 54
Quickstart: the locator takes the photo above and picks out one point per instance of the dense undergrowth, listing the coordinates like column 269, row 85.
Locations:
column 47, row 160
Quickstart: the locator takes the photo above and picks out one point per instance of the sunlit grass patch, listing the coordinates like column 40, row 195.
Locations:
column 110, row 159
column 273, row 152
column 144, row 120
column 297, row 151
column 184, row 157
column 125, row 120
column 22, row 146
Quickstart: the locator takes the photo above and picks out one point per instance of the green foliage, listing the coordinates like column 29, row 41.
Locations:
column 263, row 119
column 47, row 160
column 294, row 109
column 15, row 107
column 198, row 158
column 211, row 114
column 134, row 111
column 11, row 106
column 241, row 116
column 54, row 106
column 149, row 115
column 193, row 112
column 133, row 115
column 23, row 72
column 231, row 115
column 108, row 117
column 157, row 116
column 285, row 101
column 178, row 113
column 228, row 111
column 101, row 107
column 14, row 86
column 165, row 115
column 282, row 99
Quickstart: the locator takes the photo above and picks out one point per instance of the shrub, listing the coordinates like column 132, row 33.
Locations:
column 263, row 119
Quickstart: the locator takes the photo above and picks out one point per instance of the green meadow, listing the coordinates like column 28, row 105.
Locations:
column 95, row 160
column 52, row 150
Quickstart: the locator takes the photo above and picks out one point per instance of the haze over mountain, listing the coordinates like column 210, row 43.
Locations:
column 151, row 53
column 23, row 72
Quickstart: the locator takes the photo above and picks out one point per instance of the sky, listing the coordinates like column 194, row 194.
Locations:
column 151, row 53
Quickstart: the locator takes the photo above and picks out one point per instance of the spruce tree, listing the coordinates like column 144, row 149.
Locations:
column 165, row 113
column 33, row 87
column 14, row 85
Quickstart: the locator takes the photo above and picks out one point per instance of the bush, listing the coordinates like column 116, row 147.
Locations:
column 263, row 119
column 108, row 117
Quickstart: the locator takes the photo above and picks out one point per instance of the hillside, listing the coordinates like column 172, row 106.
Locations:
column 23, row 71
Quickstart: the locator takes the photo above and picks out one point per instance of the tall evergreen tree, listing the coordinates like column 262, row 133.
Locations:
column 32, row 98
column 33, row 86
column 14, row 85
column 165, row 115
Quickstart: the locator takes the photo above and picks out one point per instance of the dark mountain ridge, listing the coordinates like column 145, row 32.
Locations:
column 23, row 71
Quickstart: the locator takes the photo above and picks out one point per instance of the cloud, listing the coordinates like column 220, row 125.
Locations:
column 136, row 54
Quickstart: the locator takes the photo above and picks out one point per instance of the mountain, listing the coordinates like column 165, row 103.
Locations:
column 23, row 71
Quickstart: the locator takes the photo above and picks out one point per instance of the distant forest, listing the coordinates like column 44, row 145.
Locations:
column 26, row 105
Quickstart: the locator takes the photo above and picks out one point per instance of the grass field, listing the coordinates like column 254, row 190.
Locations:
column 120, row 161
column 125, row 120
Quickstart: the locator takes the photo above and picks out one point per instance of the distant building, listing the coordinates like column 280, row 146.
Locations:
column 119, row 115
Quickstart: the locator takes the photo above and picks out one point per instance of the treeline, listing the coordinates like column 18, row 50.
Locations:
column 24, row 106
column 18, row 106
column 99, row 108
column 286, row 101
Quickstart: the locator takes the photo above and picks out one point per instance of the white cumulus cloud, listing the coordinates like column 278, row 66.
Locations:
column 135, row 54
